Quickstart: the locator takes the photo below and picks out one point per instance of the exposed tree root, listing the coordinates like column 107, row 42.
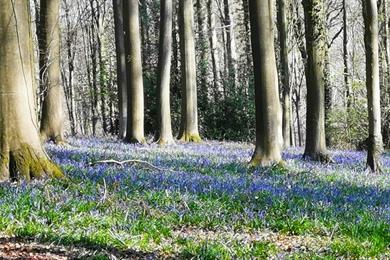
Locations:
column 165, row 141
column 318, row 157
column 259, row 160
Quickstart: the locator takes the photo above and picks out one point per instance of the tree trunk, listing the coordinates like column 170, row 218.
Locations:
column 386, row 89
column 284, row 71
column 213, row 48
column 52, row 120
column 135, row 88
column 103, row 91
column 121, row 66
column 164, row 73
column 21, row 152
column 345, row 57
column 68, row 77
column 371, row 40
column 189, row 125
column 316, row 42
column 268, row 111
column 230, row 46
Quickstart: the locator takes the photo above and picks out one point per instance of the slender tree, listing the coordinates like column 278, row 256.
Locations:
column 285, row 72
column 189, row 125
column 268, row 111
column 371, row 41
column 213, row 47
column 135, row 88
column 316, row 46
column 68, row 73
column 21, row 152
column 345, row 56
column 164, row 73
column 52, row 121
column 121, row 66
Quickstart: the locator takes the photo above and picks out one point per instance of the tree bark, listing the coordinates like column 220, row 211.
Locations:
column 345, row 57
column 164, row 73
column 22, row 155
column 52, row 121
column 121, row 66
column 68, row 77
column 371, row 41
column 189, row 125
column 284, row 71
column 230, row 45
column 213, row 49
column 135, row 88
column 316, row 44
column 269, row 138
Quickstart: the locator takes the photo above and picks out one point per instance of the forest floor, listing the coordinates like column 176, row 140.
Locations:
column 196, row 200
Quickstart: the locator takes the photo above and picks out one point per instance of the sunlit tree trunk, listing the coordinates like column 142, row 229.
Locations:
column 285, row 72
column 371, row 40
column 189, row 126
column 21, row 153
column 135, row 88
column 316, row 45
column 269, row 138
column 121, row 66
column 52, row 121
column 164, row 73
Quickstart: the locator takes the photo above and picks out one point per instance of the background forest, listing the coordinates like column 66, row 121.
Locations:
column 224, row 69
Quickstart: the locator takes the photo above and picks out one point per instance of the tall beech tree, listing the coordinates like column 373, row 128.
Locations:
column 52, row 121
column 21, row 152
column 164, row 73
column 121, row 66
column 135, row 87
column 284, row 71
column 371, row 42
column 268, row 111
column 189, row 125
column 316, row 46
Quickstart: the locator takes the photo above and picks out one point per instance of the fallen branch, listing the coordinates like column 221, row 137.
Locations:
column 122, row 163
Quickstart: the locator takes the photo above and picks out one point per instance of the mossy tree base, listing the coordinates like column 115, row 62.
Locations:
column 190, row 138
column 322, row 157
column 27, row 163
column 260, row 160
column 165, row 141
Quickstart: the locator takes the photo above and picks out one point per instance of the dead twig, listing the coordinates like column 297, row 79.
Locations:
column 122, row 163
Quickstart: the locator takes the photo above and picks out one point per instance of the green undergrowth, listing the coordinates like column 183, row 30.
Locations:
column 84, row 214
column 126, row 214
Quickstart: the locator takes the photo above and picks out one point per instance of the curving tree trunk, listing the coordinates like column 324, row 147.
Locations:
column 189, row 125
column 164, row 73
column 121, row 66
column 268, row 111
column 371, row 42
column 316, row 45
column 285, row 72
column 135, row 88
column 21, row 153
column 52, row 121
